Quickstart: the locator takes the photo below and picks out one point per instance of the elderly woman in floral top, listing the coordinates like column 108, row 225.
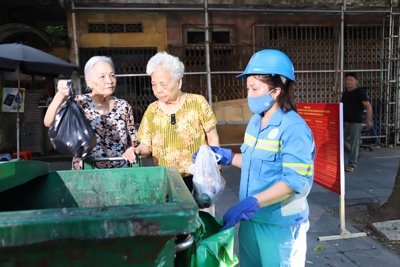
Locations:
column 177, row 124
column 110, row 117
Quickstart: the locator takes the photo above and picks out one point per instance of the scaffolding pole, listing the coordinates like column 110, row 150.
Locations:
column 207, row 47
column 396, row 136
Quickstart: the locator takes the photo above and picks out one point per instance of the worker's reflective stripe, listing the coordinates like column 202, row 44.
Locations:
column 300, row 168
column 249, row 140
column 269, row 145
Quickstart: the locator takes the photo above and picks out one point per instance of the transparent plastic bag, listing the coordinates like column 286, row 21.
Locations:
column 208, row 183
column 71, row 132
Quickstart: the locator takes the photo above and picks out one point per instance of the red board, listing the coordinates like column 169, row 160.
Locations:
column 324, row 120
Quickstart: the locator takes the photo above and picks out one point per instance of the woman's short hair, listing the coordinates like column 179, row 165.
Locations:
column 165, row 61
column 91, row 62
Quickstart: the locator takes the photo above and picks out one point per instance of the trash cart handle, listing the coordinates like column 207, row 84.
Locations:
column 88, row 162
column 184, row 244
column 108, row 159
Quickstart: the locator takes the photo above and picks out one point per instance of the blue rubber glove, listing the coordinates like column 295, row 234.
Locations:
column 226, row 155
column 244, row 210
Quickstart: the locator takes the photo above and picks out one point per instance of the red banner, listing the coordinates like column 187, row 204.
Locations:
column 324, row 121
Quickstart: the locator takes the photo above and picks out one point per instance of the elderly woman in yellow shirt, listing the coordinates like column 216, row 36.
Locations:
column 178, row 123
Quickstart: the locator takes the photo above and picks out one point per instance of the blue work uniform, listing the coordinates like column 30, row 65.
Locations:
column 283, row 150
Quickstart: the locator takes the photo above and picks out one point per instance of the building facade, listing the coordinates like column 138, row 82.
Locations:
column 324, row 39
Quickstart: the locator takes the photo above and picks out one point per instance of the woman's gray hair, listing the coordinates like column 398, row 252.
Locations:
column 165, row 61
column 91, row 62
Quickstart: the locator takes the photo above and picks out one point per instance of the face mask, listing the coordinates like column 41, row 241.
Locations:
column 260, row 104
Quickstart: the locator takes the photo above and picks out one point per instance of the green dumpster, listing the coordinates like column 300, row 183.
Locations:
column 100, row 217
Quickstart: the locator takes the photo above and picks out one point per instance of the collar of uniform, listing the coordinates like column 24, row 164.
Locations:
column 275, row 120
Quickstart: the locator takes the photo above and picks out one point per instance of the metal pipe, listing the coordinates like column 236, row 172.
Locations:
column 380, row 10
column 207, row 46
column 131, row 75
column 75, row 75
column 396, row 115
column 341, row 39
column 338, row 58
column 254, row 40
column 388, row 77
column 18, row 107
column 382, row 74
column 342, row 181
column 185, row 244
column 109, row 159
column 330, row 71
column 75, row 41
column 238, row 72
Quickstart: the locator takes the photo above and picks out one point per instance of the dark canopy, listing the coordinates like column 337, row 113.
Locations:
column 32, row 61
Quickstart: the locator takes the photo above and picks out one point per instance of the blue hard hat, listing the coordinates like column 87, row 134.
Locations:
column 269, row 61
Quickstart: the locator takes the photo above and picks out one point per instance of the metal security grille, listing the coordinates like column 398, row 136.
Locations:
column 226, row 61
column 133, row 84
column 363, row 53
column 316, row 55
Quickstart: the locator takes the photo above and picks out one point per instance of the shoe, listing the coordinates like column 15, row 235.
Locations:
column 350, row 169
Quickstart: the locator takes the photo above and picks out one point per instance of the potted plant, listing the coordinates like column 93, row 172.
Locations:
column 57, row 33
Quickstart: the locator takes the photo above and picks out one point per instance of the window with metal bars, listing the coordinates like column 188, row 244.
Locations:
column 220, row 49
column 115, row 27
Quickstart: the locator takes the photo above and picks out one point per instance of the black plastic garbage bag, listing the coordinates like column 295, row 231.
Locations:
column 71, row 132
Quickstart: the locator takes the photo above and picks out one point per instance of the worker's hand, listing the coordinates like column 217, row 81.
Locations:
column 244, row 210
column 130, row 154
column 223, row 155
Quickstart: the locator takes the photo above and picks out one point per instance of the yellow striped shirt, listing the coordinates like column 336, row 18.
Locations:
column 174, row 144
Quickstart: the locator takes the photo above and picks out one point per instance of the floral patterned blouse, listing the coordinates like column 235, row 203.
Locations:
column 174, row 144
column 115, row 131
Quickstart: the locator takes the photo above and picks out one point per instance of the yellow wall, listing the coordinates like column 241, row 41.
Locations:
column 153, row 35
column 60, row 52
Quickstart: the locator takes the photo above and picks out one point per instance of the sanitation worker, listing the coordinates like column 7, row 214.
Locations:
column 276, row 161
